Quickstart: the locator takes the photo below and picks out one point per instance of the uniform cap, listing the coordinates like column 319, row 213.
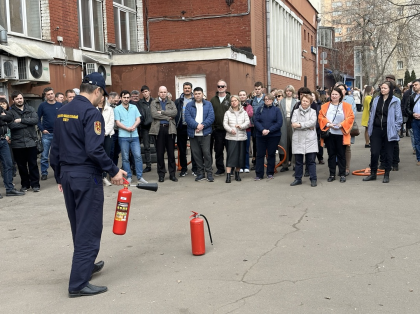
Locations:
column 96, row 79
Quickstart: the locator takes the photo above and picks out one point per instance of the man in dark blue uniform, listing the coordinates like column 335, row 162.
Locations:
column 78, row 159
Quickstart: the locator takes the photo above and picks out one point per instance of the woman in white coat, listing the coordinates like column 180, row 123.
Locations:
column 108, row 115
column 235, row 122
column 304, row 140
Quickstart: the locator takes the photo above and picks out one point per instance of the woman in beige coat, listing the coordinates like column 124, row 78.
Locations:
column 304, row 139
column 235, row 122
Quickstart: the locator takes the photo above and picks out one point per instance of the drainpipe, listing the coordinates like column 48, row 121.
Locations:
column 318, row 20
column 268, row 2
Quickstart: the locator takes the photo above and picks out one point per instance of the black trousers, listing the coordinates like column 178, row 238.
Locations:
column 27, row 164
column 309, row 163
column 182, row 141
column 165, row 141
column 320, row 154
column 145, row 140
column 395, row 155
column 84, row 198
column 218, row 143
column 379, row 139
column 336, row 154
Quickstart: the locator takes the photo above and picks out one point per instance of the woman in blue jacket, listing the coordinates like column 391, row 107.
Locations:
column 384, row 124
column 267, row 122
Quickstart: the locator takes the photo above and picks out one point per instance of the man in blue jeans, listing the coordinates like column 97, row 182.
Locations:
column 127, row 118
column 47, row 113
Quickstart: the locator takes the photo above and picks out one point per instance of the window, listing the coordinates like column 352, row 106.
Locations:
column 335, row 13
column 338, row 39
column 336, row 4
column 125, row 23
column 304, row 34
column 286, row 41
column 400, row 65
column 325, row 37
column 400, row 82
column 348, row 3
column 21, row 16
column 338, row 30
column 91, row 30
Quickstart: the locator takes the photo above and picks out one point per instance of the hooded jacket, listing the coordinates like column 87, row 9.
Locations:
column 394, row 118
column 23, row 134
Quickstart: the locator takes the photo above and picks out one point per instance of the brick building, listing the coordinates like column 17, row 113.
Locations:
column 135, row 42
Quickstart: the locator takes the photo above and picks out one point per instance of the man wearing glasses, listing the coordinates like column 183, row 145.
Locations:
column 221, row 103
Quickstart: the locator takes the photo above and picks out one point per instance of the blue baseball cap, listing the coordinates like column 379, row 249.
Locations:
column 96, row 79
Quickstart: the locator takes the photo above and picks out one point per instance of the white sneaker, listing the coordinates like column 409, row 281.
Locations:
column 106, row 182
column 141, row 180
column 129, row 180
column 246, row 170
column 242, row 170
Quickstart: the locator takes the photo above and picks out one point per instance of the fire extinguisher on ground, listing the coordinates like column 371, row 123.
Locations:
column 197, row 234
column 123, row 205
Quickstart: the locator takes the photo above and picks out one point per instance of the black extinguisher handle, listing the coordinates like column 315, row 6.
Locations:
column 208, row 226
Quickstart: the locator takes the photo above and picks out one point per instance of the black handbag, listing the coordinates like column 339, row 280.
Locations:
column 38, row 142
column 325, row 134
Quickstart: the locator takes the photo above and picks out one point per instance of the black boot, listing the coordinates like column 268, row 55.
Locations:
column 386, row 177
column 237, row 177
column 228, row 178
column 370, row 177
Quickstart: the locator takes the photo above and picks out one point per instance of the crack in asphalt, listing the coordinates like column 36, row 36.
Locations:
column 295, row 229
column 239, row 300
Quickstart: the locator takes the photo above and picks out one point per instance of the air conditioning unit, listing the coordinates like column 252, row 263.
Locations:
column 34, row 70
column 104, row 69
column 313, row 49
column 9, row 68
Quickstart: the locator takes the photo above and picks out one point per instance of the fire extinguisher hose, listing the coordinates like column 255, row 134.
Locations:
column 208, row 226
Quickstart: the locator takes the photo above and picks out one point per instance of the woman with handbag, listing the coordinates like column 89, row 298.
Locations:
column 235, row 122
column 350, row 100
column 304, row 140
column 384, row 124
column 335, row 121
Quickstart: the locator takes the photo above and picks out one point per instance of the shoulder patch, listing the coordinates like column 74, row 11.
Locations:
column 97, row 127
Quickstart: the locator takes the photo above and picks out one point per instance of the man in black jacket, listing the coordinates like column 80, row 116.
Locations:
column 5, row 157
column 221, row 103
column 143, row 129
column 23, row 135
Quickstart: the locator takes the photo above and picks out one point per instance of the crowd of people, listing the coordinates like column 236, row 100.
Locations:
column 250, row 128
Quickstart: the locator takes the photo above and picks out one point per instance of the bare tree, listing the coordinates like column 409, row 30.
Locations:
column 381, row 28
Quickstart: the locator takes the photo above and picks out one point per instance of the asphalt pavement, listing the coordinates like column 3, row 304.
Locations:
column 337, row 248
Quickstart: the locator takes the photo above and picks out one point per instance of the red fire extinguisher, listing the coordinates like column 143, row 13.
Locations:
column 197, row 234
column 122, row 210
